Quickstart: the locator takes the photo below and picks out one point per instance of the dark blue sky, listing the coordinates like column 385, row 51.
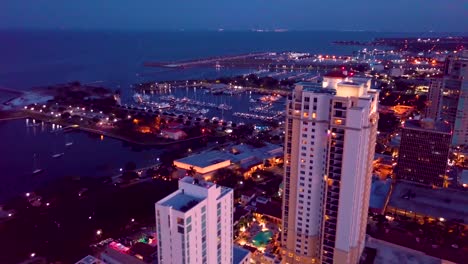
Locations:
column 391, row 15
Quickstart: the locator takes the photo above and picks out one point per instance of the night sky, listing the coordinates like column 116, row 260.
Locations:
column 396, row 15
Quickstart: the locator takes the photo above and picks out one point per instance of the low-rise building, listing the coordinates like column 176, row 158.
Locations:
column 271, row 211
column 417, row 201
column 245, row 156
column 204, row 163
column 89, row 260
column 139, row 253
column 463, row 181
column 240, row 255
column 174, row 134
column 247, row 196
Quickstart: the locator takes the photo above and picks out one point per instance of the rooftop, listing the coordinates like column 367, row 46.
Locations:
column 391, row 253
column 315, row 87
column 379, row 192
column 464, row 177
column 144, row 250
column 350, row 83
column 181, row 202
column 172, row 130
column 447, row 203
column 335, row 74
column 89, row 260
column 429, row 125
column 271, row 208
column 242, row 153
column 205, row 159
column 238, row 254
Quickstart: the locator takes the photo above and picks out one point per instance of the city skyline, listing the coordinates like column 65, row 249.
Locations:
column 239, row 15
column 233, row 132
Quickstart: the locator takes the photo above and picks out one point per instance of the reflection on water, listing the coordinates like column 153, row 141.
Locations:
column 84, row 155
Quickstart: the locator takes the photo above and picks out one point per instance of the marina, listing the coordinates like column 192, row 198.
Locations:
column 241, row 106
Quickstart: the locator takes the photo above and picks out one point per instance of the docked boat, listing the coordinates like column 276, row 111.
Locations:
column 58, row 155
column 68, row 142
column 140, row 98
column 36, row 169
column 224, row 107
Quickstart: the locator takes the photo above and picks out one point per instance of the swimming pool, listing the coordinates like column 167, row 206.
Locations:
column 262, row 238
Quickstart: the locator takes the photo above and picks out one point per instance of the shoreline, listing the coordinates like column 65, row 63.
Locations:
column 13, row 115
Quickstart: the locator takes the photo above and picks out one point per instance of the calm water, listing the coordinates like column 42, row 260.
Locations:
column 88, row 156
column 48, row 57
column 114, row 59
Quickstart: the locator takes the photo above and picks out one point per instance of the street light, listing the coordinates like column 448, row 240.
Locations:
column 99, row 232
column 33, row 255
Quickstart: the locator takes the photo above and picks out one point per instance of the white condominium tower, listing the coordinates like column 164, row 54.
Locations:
column 194, row 224
column 330, row 139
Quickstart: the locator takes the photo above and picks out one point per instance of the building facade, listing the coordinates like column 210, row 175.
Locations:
column 434, row 98
column 455, row 96
column 194, row 224
column 330, row 139
column 424, row 151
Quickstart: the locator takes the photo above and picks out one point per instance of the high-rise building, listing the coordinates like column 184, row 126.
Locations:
column 424, row 151
column 454, row 100
column 434, row 98
column 329, row 149
column 194, row 224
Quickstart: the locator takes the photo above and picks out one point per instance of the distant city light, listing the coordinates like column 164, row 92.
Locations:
column 99, row 232
column 28, row 194
column 33, row 255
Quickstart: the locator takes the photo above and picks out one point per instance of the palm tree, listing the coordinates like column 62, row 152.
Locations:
column 191, row 172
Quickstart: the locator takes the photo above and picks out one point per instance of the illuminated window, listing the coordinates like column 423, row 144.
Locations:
column 338, row 122
column 314, row 115
column 306, row 115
